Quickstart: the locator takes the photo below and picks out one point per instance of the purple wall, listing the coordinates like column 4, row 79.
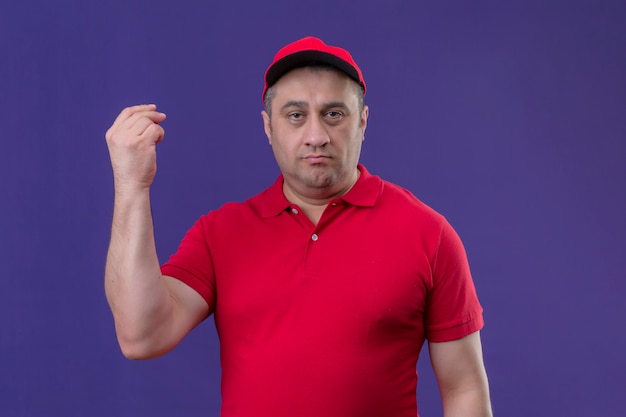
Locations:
column 508, row 117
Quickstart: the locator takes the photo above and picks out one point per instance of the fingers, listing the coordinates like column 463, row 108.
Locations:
column 130, row 111
column 154, row 131
column 137, row 121
column 140, row 122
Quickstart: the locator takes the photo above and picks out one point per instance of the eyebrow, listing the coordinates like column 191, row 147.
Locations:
column 335, row 105
column 304, row 104
column 294, row 103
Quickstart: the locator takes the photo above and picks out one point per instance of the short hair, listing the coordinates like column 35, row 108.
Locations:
column 314, row 65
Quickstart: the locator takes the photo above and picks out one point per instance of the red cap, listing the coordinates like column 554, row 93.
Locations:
column 306, row 50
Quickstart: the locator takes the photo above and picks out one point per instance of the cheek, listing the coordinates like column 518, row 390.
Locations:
column 355, row 140
column 282, row 151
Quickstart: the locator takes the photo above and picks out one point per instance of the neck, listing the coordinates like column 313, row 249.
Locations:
column 313, row 204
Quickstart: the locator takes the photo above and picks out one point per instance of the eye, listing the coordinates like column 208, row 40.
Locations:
column 333, row 114
column 334, row 117
column 295, row 116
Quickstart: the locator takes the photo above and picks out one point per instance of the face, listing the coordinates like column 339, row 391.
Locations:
column 316, row 130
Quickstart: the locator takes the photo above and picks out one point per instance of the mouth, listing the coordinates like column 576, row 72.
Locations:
column 316, row 159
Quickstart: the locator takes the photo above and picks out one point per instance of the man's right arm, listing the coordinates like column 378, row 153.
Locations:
column 152, row 312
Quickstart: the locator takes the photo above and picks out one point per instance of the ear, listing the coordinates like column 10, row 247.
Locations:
column 363, row 122
column 267, row 126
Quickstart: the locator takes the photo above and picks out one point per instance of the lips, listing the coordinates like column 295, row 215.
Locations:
column 316, row 159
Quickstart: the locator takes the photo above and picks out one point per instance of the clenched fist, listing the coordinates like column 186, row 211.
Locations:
column 132, row 141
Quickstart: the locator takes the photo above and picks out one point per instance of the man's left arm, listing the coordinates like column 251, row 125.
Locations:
column 460, row 372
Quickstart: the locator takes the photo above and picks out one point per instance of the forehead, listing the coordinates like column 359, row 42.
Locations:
column 314, row 84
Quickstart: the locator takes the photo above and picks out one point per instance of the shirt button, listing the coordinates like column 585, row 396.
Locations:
column 294, row 210
column 314, row 237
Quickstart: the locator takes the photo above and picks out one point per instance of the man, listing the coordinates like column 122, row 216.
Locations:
column 324, row 286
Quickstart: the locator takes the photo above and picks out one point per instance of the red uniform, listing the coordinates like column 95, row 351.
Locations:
column 328, row 319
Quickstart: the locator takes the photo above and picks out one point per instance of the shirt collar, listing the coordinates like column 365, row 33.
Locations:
column 364, row 193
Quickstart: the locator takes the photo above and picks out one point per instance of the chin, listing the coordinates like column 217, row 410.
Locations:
column 317, row 178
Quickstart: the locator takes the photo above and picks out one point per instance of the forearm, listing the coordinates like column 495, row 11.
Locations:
column 139, row 298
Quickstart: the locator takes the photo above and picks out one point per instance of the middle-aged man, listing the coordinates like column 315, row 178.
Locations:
column 324, row 286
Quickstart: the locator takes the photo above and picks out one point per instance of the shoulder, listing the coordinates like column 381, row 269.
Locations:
column 372, row 190
column 404, row 214
column 408, row 207
column 401, row 195
column 268, row 203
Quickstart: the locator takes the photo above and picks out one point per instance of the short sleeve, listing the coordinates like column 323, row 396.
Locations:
column 453, row 310
column 193, row 264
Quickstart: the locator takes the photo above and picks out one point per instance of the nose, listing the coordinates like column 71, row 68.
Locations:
column 315, row 133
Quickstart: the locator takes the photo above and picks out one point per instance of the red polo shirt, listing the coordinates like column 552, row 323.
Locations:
column 327, row 319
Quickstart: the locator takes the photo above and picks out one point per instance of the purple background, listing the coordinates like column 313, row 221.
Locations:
column 507, row 117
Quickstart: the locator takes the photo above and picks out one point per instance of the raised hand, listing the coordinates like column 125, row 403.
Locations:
column 132, row 141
